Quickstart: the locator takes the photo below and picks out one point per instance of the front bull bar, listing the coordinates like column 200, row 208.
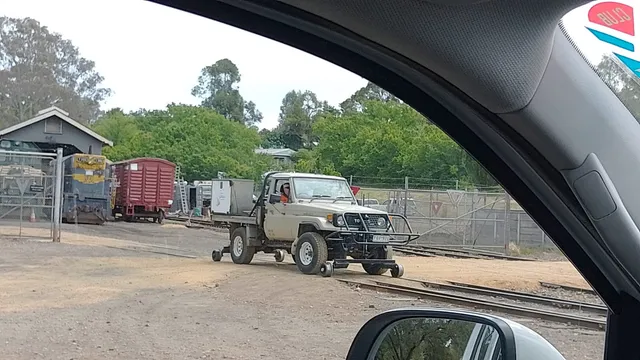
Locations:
column 339, row 235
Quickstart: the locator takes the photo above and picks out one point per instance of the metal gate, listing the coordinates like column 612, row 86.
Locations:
column 30, row 194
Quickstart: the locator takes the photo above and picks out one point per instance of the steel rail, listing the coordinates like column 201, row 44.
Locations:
column 467, row 252
column 567, row 287
column 577, row 305
column 583, row 321
column 514, row 295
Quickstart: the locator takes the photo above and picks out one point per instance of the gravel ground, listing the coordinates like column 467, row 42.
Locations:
column 80, row 299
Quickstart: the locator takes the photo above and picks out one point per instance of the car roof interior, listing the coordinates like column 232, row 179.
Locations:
column 503, row 80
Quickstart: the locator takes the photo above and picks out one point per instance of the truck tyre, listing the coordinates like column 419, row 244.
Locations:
column 311, row 252
column 378, row 269
column 241, row 252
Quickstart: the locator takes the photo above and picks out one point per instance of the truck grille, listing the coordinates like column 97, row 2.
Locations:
column 353, row 220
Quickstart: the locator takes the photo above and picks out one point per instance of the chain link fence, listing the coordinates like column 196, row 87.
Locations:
column 448, row 215
column 30, row 194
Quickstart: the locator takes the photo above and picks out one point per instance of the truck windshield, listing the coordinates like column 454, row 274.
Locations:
column 310, row 188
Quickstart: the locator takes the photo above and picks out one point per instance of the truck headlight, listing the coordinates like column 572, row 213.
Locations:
column 338, row 220
column 382, row 222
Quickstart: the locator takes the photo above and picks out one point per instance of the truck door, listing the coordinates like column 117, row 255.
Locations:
column 277, row 222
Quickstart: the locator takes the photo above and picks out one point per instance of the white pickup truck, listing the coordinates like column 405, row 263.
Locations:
column 320, row 224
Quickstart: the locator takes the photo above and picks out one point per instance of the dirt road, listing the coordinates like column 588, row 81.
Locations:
column 88, row 298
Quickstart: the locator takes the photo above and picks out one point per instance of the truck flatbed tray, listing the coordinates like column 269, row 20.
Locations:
column 238, row 219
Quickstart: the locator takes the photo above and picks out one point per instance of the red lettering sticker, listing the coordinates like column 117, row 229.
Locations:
column 613, row 15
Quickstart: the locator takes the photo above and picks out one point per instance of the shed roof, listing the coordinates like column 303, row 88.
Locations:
column 276, row 152
column 61, row 114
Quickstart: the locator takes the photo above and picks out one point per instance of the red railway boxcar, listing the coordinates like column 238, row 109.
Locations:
column 145, row 188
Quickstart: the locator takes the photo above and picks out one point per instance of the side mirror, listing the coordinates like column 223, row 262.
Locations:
column 274, row 199
column 412, row 334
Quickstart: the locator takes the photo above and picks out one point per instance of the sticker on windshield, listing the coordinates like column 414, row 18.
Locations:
column 613, row 24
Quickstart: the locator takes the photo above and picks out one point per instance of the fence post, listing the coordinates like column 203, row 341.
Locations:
column 57, row 197
column 473, row 219
column 350, row 179
column 495, row 227
column 518, row 230
column 431, row 214
column 406, row 194
column 506, row 231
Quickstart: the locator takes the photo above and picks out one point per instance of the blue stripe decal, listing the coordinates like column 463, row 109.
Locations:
column 610, row 39
column 634, row 65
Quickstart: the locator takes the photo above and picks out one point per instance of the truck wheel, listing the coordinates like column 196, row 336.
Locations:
column 160, row 217
column 378, row 269
column 241, row 252
column 311, row 253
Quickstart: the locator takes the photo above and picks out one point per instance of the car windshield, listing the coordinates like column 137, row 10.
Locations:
column 604, row 32
column 310, row 188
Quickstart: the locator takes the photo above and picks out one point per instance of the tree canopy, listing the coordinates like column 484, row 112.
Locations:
column 218, row 90
column 625, row 85
column 199, row 139
column 39, row 69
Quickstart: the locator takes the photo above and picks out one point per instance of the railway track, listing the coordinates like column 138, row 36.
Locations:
column 567, row 287
column 424, row 250
column 517, row 296
column 486, row 299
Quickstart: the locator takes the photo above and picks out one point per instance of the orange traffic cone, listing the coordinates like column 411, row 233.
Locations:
column 32, row 218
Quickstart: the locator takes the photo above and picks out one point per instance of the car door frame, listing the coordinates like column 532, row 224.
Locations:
column 514, row 162
column 277, row 221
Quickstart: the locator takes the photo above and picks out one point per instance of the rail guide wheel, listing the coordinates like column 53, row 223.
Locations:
column 326, row 269
column 397, row 271
column 279, row 255
column 216, row 255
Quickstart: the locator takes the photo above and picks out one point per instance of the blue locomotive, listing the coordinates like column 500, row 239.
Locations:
column 86, row 189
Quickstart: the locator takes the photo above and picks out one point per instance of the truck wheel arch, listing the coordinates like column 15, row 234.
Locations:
column 303, row 228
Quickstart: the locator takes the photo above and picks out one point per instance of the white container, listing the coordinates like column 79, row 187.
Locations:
column 232, row 196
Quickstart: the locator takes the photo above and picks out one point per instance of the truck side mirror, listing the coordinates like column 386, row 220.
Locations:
column 274, row 199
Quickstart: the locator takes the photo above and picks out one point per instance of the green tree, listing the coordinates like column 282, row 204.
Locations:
column 218, row 89
column 40, row 69
column 116, row 126
column 392, row 140
column 369, row 92
column 202, row 141
column 271, row 139
column 308, row 161
column 298, row 112
column 622, row 82
column 425, row 339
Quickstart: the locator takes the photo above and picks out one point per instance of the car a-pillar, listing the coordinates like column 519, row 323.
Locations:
column 311, row 254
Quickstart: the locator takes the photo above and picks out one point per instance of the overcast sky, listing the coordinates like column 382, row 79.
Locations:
column 151, row 55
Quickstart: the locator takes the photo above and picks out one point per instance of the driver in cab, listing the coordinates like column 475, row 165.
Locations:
column 284, row 193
